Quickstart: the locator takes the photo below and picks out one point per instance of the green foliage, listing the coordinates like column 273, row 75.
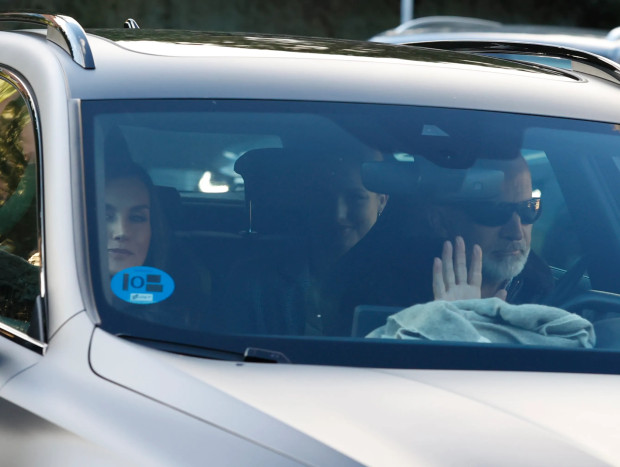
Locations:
column 17, row 178
column 13, row 162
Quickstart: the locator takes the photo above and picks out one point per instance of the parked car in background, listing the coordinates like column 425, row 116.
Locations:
column 219, row 249
column 457, row 28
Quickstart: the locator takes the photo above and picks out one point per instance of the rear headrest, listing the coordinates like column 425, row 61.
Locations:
column 169, row 201
column 262, row 168
column 276, row 182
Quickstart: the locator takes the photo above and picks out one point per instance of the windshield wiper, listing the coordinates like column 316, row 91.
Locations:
column 187, row 349
column 251, row 354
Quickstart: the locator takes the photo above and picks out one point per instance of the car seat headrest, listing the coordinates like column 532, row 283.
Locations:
column 274, row 187
column 169, row 201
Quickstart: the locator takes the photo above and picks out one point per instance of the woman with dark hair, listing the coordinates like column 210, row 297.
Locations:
column 136, row 232
column 138, row 235
column 294, row 291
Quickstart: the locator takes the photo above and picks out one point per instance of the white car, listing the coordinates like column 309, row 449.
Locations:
column 218, row 249
column 463, row 29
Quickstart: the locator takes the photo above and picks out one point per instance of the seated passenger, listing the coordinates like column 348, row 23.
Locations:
column 137, row 235
column 341, row 210
column 502, row 228
column 394, row 271
column 459, row 314
column 287, row 293
column 136, row 232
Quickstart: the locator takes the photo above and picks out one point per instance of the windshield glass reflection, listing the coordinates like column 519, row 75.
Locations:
column 239, row 221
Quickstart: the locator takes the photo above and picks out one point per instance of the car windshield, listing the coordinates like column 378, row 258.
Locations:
column 311, row 230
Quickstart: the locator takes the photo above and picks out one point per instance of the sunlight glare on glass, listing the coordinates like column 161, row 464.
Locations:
column 206, row 186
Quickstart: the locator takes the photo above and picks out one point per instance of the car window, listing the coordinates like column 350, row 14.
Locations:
column 19, row 236
column 329, row 216
column 555, row 236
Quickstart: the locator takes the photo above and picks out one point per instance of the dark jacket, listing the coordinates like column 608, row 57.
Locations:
column 273, row 294
column 281, row 295
column 398, row 273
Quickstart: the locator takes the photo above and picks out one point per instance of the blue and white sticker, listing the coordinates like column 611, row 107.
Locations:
column 142, row 285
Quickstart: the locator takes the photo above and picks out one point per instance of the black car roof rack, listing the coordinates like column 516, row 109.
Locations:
column 61, row 30
column 586, row 62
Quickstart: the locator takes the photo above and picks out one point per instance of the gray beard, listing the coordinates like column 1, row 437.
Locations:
column 503, row 270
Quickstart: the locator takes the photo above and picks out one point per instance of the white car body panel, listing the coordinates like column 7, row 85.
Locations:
column 394, row 417
column 326, row 80
column 105, row 419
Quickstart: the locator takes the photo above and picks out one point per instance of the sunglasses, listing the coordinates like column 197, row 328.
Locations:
column 492, row 214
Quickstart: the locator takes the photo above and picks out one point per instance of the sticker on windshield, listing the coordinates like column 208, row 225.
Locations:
column 142, row 285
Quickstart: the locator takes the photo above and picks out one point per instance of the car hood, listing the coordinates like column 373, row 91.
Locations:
column 383, row 417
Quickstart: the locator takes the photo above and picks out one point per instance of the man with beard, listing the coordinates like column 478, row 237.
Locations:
column 500, row 230
column 399, row 264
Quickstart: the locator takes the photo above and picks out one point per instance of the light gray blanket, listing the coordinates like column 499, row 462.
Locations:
column 489, row 320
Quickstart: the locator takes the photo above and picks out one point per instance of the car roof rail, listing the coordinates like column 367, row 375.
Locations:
column 61, row 30
column 131, row 23
column 438, row 21
column 581, row 61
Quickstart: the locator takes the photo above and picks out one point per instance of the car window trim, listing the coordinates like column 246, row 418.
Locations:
column 22, row 339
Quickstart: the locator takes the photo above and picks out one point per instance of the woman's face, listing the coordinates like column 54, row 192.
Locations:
column 128, row 218
column 347, row 211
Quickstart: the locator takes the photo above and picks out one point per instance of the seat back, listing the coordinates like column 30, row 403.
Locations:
column 275, row 186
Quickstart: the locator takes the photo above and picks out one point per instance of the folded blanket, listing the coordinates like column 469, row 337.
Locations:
column 489, row 320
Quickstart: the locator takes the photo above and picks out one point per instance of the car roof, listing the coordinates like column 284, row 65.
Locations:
column 184, row 64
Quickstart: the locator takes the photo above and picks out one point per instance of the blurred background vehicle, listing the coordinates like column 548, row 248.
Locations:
column 464, row 29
